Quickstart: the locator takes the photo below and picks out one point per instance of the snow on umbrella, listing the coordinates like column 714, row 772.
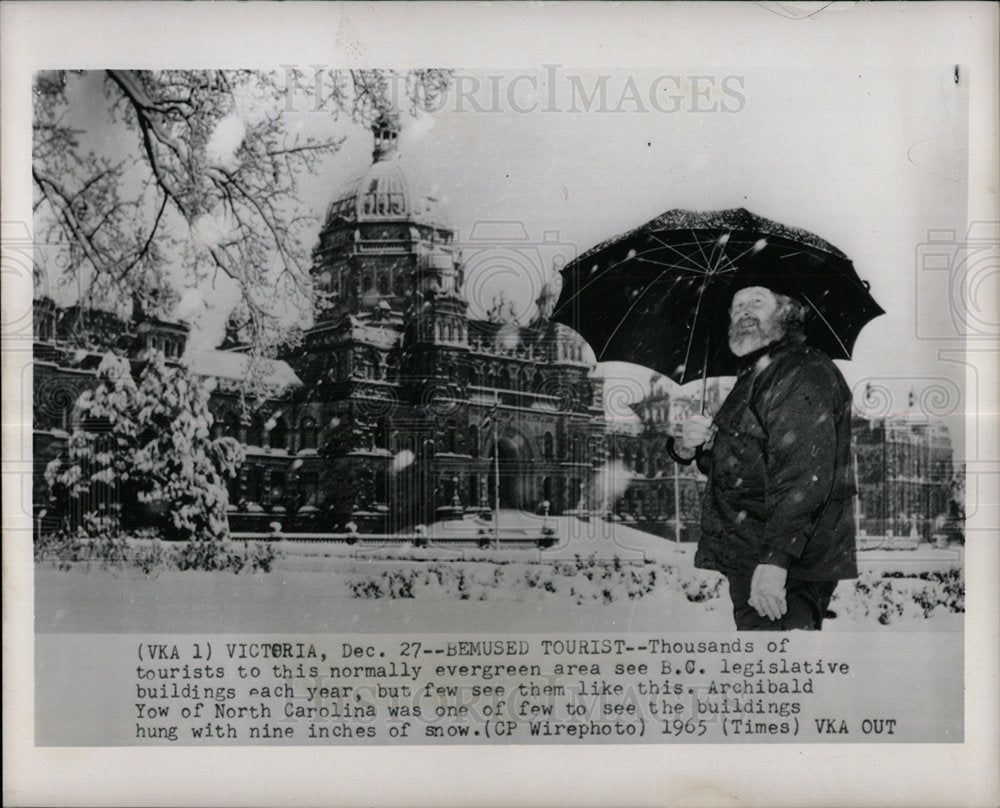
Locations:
column 659, row 295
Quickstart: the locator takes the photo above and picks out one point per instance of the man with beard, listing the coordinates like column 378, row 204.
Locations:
column 777, row 519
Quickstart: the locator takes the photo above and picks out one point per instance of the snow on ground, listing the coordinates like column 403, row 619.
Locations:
column 576, row 586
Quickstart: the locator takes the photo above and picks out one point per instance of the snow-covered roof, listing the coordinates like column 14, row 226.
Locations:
column 235, row 366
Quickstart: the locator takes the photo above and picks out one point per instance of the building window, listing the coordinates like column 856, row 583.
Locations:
column 309, row 433
column 231, row 425
column 255, row 484
column 279, row 434
column 277, row 490
column 549, row 446
column 309, row 488
column 258, row 434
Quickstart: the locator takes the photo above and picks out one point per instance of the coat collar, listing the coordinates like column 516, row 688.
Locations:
column 751, row 360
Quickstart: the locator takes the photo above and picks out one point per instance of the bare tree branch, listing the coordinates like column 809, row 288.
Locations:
column 136, row 212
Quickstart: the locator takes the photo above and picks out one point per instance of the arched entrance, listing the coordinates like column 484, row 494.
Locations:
column 513, row 492
column 547, row 490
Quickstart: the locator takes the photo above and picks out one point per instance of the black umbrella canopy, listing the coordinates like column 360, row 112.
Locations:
column 659, row 295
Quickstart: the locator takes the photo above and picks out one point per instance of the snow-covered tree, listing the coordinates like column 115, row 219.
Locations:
column 145, row 441
column 93, row 486
column 142, row 170
column 177, row 460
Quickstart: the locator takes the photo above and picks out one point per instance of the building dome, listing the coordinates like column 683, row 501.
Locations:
column 571, row 347
column 382, row 193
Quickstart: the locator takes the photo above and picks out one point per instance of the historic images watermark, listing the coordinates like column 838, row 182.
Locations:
column 550, row 88
column 962, row 273
column 958, row 275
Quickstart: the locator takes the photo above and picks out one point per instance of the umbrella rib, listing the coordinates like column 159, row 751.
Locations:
column 634, row 304
column 682, row 272
column 745, row 252
column 709, row 264
column 712, row 266
column 694, row 323
column 697, row 268
column 827, row 324
column 695, row 271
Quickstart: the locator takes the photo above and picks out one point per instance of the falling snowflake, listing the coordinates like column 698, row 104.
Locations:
column 402, row 460
column 508, row 337
column 611, row 481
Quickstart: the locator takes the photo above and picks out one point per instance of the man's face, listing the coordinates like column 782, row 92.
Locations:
column 754, row 320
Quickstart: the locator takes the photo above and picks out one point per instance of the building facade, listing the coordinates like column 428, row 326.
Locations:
column 662, row 497
column 399, row 408
column 904, row 469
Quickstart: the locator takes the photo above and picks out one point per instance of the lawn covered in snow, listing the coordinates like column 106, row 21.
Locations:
column 599, row 577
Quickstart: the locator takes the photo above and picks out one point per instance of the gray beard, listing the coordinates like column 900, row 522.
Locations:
column 746, row 340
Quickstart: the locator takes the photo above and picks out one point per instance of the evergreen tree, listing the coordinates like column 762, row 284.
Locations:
column 145, row 442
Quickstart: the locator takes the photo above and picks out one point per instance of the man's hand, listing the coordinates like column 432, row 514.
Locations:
column 697, row 431
column 767, row 591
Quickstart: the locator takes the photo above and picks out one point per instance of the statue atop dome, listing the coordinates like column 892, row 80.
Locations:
column 545, row 304
column 385, row 128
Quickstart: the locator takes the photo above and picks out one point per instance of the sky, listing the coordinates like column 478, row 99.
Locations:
column 533, row 167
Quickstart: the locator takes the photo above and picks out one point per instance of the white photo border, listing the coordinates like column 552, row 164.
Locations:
column 799, row 36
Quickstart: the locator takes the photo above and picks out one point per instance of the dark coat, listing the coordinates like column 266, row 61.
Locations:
column 780, row 485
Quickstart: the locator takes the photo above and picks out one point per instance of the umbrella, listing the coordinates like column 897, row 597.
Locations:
column 659, row 295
